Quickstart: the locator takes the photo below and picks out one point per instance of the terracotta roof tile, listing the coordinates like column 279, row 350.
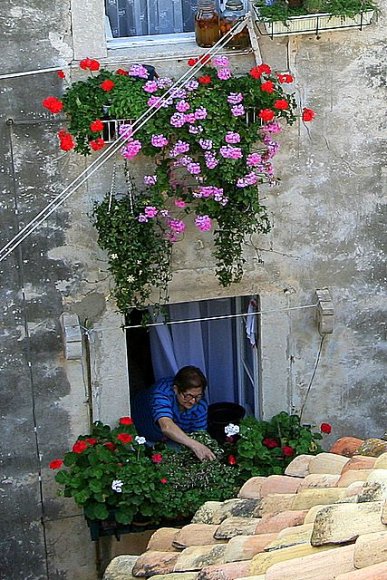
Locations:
column 280, row 484
column 308, row 498
column 231, row 527
column 359, row 462
column 205, row 514
column 381, row 461
column 252, row 488
column 277, row 522
column 274, row 503
column 299, row 467
column 161, row 540
column 195, row 535
column 371, row 549
column 319, row 480
column 238, row 507
column 196, row 557
column 327, row 463
column 291, row 537
column 375, row 572
column 263, row 562
column 225, row 571
column 153, row 562
column 346, row 446
column 245, row 547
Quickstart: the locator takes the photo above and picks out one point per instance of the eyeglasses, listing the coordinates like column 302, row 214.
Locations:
column 188, row 397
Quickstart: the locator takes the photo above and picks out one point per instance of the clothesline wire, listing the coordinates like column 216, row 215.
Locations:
column 204, row 319
column 29, row 228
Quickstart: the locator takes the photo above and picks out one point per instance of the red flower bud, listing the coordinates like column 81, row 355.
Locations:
column 61, row 74
column 192, row 61
column 124, row 437
column 92, row 440
column 122, row 72
column 80, row 446
column 107, row 85
column 53, row 104
column 205, row 80
column 109, row 445
column 285, row 78
column 231, row 460
column 266, row 115
column 96, row 126
column 270, row 443
column 164, row 480
column 281, row 104
column 267, row 87
column 308, row 114
column 287, row 451
column 55, row 464
column 157, row 458
column 126, row 421
column 325, row 428
column 97, row 144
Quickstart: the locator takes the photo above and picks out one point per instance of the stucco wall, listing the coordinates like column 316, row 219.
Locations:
column 329, row 221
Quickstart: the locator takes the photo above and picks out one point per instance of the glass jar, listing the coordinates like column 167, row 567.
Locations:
column 206, row 24
column 234, row 11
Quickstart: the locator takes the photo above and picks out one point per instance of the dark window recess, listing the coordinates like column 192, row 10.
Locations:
column 150, row 17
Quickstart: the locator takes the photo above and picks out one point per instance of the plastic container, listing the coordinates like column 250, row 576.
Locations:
column 206, row 24
column 234, row 11
column 220, row 415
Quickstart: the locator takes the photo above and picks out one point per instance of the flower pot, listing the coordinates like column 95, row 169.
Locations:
column 220, row 415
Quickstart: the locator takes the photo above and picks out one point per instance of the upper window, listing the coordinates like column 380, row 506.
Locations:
column 130, row 18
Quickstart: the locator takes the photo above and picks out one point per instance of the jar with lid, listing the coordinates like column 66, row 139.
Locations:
column 234, row 10
column 206, row 24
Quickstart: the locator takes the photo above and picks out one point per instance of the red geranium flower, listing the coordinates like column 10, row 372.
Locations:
column 124, row 438
column 325, row 428
column 308, row 114
column 80, row 446
column 257, row 71
column 267, row 87
column 89, row 63
column 192, row 61
column 157, row 458
column 66, row 141
column 266, row 115
column 281, row 104
column 61, row 74
column 107, row 85
column 122, row 71
column 126, row 421
column 96, row 126
column 231, row 460
column 204, row 80
column 164, row 480
column 109, row 445
column 53, row 104
column 270, row 443
column 287, row 451
column 285, row 78
column 55, row 464
column 97, row 144
column 92, row 440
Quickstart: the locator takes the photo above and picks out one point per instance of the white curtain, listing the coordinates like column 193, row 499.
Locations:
column 208, row 345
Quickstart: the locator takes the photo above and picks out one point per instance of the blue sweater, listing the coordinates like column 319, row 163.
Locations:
column 159, row 401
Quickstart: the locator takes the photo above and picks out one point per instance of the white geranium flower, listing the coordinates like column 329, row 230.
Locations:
column 114, row 256
column 231, row 430
column 130, row 279
column 140, row 440
column 117, row 485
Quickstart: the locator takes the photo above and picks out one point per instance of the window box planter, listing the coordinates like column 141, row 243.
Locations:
column 312, row 24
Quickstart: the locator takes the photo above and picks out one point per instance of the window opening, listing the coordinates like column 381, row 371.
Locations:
column 223, row 349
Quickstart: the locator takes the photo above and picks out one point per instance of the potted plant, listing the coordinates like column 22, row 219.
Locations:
column 267, row 447
column 212, row 142
column 280, row 17
column 122, row 484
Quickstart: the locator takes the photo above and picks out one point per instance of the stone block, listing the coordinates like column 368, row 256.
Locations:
column 120, row 568
column 299, row 466
column 324, row 565
column 359, row 462
column 238, row 507
column 346, row 446
column 225, row 571
column 276, row 522
column 319, row 480
column 381, row 461
column 291, row 537
column 280, row 484
column 353, row 475
column 197, row 557
column 370, row 549
column 252, row 488
column 153, row 562
column 195, row 535
column 375, row 572
column 262, row 562
column 274, row 503
column 337, row 524
column 205, row 514
column 175, row 576
column 308, row 498
column 245, row 547
column 327, row 463
column 373, row 447
column 231, row 527
column 161, row 540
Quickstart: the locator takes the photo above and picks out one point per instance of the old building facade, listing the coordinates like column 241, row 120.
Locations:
column 328, row 213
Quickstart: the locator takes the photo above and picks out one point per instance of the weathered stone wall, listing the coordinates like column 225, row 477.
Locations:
column 329, row 222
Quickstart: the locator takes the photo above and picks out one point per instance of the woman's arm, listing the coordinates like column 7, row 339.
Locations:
column 172, row 431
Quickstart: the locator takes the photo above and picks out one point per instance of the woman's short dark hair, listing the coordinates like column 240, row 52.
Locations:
column 189, row 377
